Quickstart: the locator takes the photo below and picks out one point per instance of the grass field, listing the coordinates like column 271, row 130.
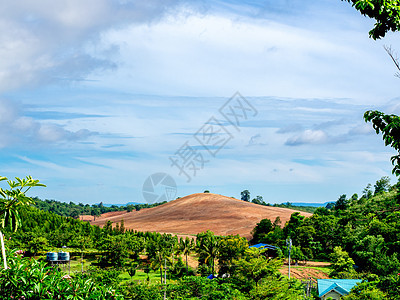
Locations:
column 141, row 276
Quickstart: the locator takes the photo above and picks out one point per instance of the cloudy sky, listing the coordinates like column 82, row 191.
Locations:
column 96, row 96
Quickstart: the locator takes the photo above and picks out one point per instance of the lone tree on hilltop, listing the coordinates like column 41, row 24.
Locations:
column 245, row 195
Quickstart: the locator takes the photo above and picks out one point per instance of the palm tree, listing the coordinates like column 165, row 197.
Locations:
column 186, row 246
column 210, row 249
column 156, row 262
column 175, row 250
column 11, row 201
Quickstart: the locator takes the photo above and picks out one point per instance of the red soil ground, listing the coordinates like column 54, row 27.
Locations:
column 196, row 213
column 306, row 271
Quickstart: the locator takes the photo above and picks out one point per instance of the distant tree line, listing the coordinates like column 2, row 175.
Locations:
column 75, row 210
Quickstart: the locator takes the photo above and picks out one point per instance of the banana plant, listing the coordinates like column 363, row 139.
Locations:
column 11, row 201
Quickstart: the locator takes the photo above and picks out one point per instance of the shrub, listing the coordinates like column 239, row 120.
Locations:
column 30, row 279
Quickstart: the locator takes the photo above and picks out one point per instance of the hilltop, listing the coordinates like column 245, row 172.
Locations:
column 199, row 212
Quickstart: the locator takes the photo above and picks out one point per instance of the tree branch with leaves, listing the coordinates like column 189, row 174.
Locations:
column 389, row 126
column 11, row 200
column 386, row 14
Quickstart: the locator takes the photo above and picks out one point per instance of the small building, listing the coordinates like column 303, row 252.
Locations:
column 264, row 246
column 335, row 288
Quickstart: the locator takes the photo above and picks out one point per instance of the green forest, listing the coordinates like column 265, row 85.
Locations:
column 358, row 235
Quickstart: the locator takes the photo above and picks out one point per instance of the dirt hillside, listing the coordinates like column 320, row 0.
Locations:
column 199, row 212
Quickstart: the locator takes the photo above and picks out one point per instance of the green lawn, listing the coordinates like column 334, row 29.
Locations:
column 141, row 276
column 76, row 267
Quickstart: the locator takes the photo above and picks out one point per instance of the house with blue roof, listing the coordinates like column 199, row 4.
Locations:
column 264, row 246
column 335, row 288
column 271, row 251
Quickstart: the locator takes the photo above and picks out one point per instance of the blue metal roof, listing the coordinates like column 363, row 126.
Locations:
column 264, row 246
column 342, row 286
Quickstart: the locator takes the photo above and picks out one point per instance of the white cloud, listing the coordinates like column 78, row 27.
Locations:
column 168, row 47
column 308, row 137
column 45, row 41
column 215, row 54
column 17, row 129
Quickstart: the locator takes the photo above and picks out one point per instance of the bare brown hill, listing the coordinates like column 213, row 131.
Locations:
column 200, row 212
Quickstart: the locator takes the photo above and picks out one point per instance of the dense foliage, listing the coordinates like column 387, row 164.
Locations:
column 244, row 274
column 254, row 276
column 360, row 231
column 30, row 279
column 356, row 231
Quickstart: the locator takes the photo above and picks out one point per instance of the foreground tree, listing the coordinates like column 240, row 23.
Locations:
column 255, row 268
column 159, row 249
column 115, row 251
column 261, row 230
column 11, row 201
column 36, row 244
column 386, row 13
column 207, row 246
column 295, row 221
column 259, row 277
column 342, row 264
column 31, row 279
column 232, row 247
column 389, row 126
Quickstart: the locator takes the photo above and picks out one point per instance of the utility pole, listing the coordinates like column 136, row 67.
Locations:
column 289, row 245
column 3, row 251
column 165, row 278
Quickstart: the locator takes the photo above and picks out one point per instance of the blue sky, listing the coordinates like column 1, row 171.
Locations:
column 95, row 96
